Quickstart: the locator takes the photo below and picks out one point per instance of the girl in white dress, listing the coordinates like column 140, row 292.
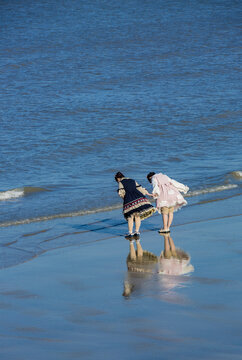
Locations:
column 166, row 191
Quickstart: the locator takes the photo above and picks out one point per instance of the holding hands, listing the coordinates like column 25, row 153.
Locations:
column 152, row 195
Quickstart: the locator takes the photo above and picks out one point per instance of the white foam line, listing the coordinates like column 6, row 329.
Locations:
column 11, row 194
column 59, row 216
column 211, row 190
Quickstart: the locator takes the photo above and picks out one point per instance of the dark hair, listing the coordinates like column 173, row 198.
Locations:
column 119, row 175
column 149, row 176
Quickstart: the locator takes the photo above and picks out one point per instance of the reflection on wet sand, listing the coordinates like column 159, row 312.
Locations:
column 145, row 268
column 174, row 261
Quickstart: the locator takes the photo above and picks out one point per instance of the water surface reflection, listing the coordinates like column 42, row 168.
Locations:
column 152, row 275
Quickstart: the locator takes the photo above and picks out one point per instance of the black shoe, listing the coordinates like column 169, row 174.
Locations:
column 164, row 231
column 129, row 236
column 136, row 235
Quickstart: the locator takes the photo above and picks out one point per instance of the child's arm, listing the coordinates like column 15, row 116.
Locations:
column 121, row 190
column 141, row 189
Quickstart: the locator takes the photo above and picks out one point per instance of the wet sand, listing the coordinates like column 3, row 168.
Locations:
column 62, row 283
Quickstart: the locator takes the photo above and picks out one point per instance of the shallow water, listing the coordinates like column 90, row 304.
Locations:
column 68, row 304
column 88, row 89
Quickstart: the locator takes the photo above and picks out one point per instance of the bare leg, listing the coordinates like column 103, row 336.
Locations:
column 165, row 221
column 172, row 246
column 130, row 224
column 170, row 218
column 137, row 223
column 167, row 251
column 132, row 251
column 139, row 249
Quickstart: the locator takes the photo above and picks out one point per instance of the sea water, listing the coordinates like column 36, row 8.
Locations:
column 91, row 88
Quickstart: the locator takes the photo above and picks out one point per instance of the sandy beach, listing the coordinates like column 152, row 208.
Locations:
column 68, row 303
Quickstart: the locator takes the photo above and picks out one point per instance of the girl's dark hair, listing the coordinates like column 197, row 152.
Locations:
column 149, row 176
column 119, row 175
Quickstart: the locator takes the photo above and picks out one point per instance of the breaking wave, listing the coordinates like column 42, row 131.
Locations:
column 19, row 192
column 211, row 189
column 236, row 174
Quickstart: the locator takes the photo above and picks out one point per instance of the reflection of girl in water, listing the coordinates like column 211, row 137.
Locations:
column 173, row 261
column 144, row 268
column 141, row 266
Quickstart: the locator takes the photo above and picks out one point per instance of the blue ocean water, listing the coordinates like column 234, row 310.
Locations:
column 91, row 88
